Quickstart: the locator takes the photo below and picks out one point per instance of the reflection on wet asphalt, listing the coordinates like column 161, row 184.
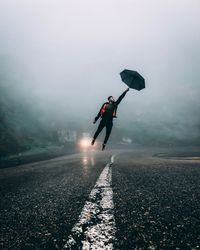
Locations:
column 41, row 202
column 156, row 200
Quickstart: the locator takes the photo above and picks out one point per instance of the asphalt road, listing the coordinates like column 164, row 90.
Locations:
column 152, row 198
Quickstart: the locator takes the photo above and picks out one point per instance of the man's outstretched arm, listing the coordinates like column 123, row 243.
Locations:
column 98, row 115
column 122, row 96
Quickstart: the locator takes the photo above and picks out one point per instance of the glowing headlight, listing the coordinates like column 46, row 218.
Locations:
column 84, row 142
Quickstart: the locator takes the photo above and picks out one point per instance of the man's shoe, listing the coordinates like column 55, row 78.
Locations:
column 103, row 146
column 93, row 141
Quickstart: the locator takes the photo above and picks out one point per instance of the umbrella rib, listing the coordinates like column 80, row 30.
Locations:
column 132, row 81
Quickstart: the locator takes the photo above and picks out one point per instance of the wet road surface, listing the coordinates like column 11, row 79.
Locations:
column 154, row 201
column 157, row 203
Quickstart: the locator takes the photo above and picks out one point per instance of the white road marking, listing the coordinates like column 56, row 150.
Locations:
column 112, row 159
column 96, row 226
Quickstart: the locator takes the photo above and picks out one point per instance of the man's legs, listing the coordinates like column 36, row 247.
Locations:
column 108, row 131
column 99, row 129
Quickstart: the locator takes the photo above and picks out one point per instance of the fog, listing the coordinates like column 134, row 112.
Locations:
column 64, row 57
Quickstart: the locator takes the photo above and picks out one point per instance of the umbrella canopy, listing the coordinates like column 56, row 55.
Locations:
column 133, row 79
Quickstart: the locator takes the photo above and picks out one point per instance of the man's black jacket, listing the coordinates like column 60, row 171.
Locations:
column 108, row 110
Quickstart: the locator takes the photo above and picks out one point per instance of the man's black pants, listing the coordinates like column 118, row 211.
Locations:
column 102, row 124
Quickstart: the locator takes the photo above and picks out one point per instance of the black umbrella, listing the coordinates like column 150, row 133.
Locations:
column 133, row 79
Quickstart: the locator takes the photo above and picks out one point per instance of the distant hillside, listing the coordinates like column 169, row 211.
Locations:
column 19, row 127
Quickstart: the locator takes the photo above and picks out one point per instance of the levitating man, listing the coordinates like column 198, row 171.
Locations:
column 107, row 113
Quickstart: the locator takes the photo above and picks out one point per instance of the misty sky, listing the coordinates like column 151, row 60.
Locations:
column 68, row 54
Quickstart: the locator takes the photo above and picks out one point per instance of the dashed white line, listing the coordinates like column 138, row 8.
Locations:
column 96, row 226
